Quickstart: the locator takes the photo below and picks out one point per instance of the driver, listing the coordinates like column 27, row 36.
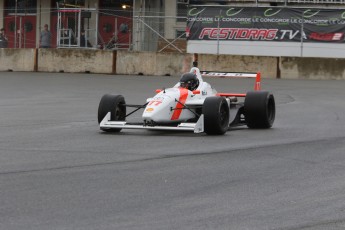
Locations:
column 189, row 81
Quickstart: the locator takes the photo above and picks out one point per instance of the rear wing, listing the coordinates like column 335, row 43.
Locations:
column 257, row 76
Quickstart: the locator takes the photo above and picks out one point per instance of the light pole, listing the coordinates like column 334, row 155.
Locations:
column 302, row 29
column 220, row 15
column 15, row 24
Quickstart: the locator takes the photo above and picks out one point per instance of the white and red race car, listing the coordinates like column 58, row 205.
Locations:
column 200, row 110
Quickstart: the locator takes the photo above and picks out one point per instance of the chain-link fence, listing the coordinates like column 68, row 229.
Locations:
column 159, row 33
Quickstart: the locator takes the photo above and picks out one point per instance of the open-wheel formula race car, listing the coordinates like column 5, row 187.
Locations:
column 193, row 105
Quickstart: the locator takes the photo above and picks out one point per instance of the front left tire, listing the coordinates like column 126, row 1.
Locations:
column 115, row 104
column 259, row 109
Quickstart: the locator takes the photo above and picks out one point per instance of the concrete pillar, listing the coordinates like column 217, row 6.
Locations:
column 2, row 16
column 171, row 24
column 43, row 17
column 170, row 21
column 137, row 33
column 93, row 21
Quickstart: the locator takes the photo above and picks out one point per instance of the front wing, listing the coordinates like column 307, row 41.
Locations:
column 197, row 127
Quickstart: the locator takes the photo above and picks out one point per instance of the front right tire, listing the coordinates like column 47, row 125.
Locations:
column 216, row 115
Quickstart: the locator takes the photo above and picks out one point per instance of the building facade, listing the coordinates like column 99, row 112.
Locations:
column 141, row 25
column 109, row 24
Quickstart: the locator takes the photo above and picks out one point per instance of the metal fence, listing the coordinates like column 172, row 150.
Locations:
column 159, row 33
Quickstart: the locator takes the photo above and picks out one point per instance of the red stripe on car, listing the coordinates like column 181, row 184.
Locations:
column 179, row 106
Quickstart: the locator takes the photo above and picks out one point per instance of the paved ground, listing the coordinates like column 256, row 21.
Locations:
column 58, row 171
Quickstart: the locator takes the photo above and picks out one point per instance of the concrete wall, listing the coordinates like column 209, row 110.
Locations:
column 267, row 66
column 57, row 60
column 17, row 59
column 173, row 64
column 312, row 68
column 75, row 60
column 149, row 63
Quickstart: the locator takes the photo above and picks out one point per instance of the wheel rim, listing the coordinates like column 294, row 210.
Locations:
column 119, row 113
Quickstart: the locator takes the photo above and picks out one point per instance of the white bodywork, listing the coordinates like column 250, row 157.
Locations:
column 174, row 108
column 168, row 107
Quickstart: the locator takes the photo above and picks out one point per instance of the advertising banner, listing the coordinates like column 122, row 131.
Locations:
column 272, row 24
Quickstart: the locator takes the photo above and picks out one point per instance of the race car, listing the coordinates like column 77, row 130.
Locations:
column 193, row 105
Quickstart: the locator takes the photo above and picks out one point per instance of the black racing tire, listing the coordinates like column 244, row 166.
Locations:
column 115, row 104
column 216, row 115
column 259, row 109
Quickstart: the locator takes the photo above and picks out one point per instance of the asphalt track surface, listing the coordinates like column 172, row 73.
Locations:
column 59, row 171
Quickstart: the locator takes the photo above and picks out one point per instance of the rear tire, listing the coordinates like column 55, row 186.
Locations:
column 115, row 104
column 259, row 109
column 216, row 115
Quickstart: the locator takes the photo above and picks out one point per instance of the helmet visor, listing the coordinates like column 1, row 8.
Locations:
column 184, row 85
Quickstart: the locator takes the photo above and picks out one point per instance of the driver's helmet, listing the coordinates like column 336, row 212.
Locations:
column 189, row 81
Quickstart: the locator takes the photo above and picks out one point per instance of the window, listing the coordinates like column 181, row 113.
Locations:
column 20, row 6
column 115, row 3
column 115, row 7
column 181, row 33
column 68, row 3
column 181, row 12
